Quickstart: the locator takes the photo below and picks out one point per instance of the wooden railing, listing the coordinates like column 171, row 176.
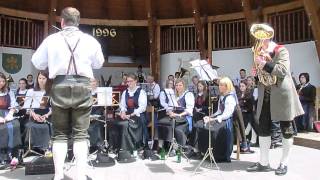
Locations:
column 178, row 39
column 21, row 33
column 291, row 26
column 230, row 34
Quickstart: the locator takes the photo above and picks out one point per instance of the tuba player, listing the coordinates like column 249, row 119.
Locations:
column 277, row 101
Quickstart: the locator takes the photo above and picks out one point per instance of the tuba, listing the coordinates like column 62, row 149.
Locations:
column 262, row 32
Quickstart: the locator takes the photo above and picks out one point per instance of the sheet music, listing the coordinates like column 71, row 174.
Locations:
column 33, row 97
column 104, row 96
column 204, row 70
column 172, row 98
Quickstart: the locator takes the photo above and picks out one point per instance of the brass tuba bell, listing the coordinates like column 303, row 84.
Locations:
column 182, row 72
column 262, row 32
column 9, row 79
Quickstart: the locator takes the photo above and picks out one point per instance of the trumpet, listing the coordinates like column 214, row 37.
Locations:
column 262, row 32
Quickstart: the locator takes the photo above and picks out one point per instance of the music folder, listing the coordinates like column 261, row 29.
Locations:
column 35, row 100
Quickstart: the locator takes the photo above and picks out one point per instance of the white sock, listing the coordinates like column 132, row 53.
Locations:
column 160, row 143
column 286, row 147
column 59, row 151
column 80, row 151
column 248, row 129
column 253, row 137
column 264, row 143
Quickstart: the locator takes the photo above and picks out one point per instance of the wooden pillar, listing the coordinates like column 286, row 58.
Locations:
column 152, row 21
column 199, row 29
column 158, row 38
column 247, row 12
column 210, row 39
column 52, row 16
column 312, row 9
column 45, row 29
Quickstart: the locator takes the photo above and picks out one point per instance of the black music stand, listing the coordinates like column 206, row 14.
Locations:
column 207, row 73
column 174, row 143
column 103, row 159
column 31, row 102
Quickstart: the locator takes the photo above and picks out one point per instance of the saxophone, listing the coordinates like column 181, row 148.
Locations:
column 261, row 32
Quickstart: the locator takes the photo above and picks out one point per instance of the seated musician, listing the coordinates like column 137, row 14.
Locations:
column 38, row 129
column 95, row 130
column 201, row 102
column 220, row 125
column 20, row 95
column 125, row 132
column 153, row 91
column 10, row 138
column 183, row 102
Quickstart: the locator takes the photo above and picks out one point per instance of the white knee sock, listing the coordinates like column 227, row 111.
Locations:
column 286, row 146
column 59, row 151
column 253, row 136
column 264, row 143
column 160, row 143
column 80, row 151
column 248, row 129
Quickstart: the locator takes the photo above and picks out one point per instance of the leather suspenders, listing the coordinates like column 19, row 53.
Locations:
column 72, row 60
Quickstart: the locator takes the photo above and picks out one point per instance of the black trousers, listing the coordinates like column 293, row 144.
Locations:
column 265, row 123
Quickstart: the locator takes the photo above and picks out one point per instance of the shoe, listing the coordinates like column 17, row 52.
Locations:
column 257, row 167
column 246, row 151
column 281, row 170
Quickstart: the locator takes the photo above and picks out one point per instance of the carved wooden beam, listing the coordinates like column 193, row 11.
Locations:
column 199, row 29
column 312, row 9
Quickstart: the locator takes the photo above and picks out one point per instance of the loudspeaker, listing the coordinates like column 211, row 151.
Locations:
column 40, row 165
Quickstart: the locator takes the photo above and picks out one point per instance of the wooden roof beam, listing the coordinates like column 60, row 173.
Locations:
column 152, row 29
column 199, row 29
column 312, row 9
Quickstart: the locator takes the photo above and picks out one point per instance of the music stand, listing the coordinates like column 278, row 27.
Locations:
column 35, row 100
column 206, row 73
column 106, row 98
column 174, row 142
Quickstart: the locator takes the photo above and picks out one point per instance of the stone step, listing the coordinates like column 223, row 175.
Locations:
column 309, row 139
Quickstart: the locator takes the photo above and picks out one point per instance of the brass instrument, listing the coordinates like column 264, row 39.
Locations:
column 9, row 79
column 262, row 32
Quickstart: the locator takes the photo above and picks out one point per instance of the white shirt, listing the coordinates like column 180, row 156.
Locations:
column 229, row 107
column 155, row 88
column 171, row 99
column 189, row 97
column 142, row 101
column 53, row 53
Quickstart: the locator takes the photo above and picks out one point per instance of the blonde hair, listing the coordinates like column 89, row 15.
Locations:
column 228, row 83
column 180, row 80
